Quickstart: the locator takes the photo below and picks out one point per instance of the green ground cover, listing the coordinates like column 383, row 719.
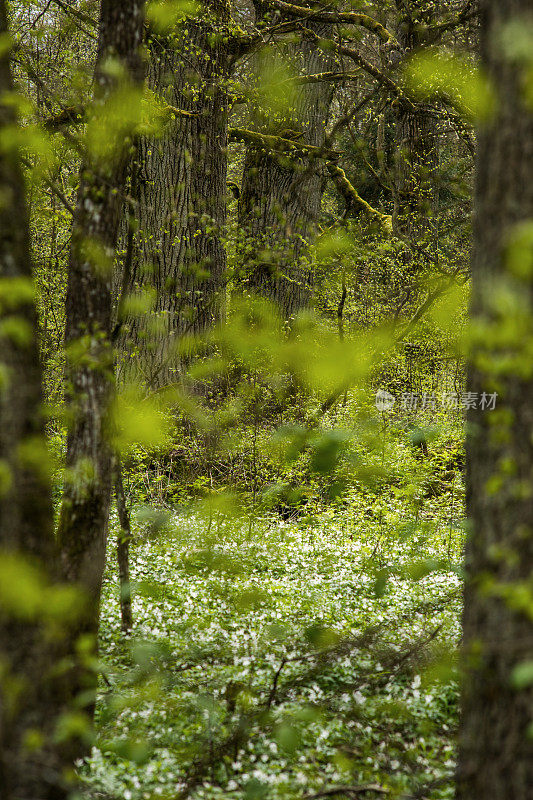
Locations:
column 276, row 659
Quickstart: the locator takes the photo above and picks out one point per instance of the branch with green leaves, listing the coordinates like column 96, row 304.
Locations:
column 336, row 17
column 433, row 33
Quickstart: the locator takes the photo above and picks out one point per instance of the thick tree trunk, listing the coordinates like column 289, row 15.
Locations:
column 495, row 743
column 28, row 701
column 414, row 210
column 280, row 197
column 180, row 189
column 86, row 497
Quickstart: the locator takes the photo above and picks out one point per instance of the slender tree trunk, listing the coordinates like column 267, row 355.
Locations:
column 87, row 492
column 180, row 189
column 280, row 198
column 123, row 548
column 28, row 699
column 495, row 742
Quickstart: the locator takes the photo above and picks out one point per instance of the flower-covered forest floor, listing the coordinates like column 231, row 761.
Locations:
column 270, row 659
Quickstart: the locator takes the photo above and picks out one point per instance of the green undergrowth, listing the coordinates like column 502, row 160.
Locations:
column 276, row 659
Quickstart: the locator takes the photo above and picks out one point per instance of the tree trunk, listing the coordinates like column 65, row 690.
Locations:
column 87, row 492
column 280, row 197
column 123, row 549
column 180, row 189
column 27, row 694
column 495, row 743
column 415, row 163
column 416, row 146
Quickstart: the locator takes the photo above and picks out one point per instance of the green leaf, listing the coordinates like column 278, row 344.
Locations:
column 16, row 330
column 21, row 587
column 522, row 675
column 6, row 45
column 6, row 478
column 519, row 250
column 138, row 304
column 163, row 15
column 320, row 637
column 74, row 725
column 327, row 450
column 34, row 455
column 334, row 244
column 136, row 750
column 15, row 292
column 288, row 737
column 139, row 421
column 380, row 583
column 112, row 124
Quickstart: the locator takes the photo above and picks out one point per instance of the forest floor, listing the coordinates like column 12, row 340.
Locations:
column 273, row 659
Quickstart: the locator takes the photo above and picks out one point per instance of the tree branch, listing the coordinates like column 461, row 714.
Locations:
column 53, row 188
column 432, row 297
column 433, row 33
column 80, row 16
column 347, row 17
column 322, row 77
column 362, row 62
column 353, row 198
column 77, row 116
column 277, row 143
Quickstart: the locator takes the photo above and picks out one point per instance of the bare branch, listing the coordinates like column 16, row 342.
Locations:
column 322, row 77
column 79, row 15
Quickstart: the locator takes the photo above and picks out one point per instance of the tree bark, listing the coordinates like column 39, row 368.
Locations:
column 414, row 196
column 495, row 747
column 281, row 197
column 416, row 145
column 28, row 701
column 86, row 498
column 416, row 141
column 180, row 189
